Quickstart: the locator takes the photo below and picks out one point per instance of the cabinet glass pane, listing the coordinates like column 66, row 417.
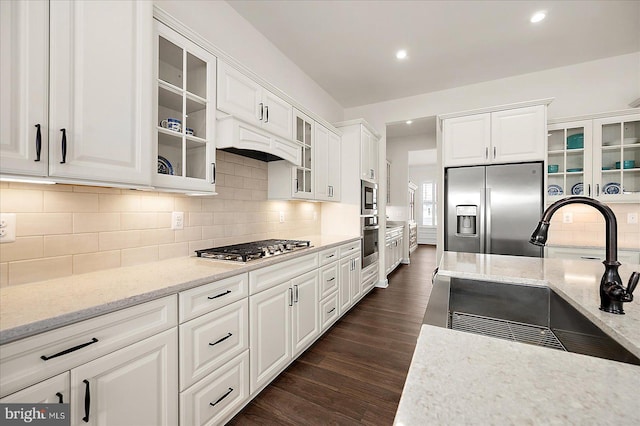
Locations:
column 169, row 154
column 196, row 160
column 556, row 140
column 170, row 63
column 307, row 133
column 306, row 158
column 299, row 130
column 196, row 76
column 169, row 109
column 196, row 119
column 612, row 134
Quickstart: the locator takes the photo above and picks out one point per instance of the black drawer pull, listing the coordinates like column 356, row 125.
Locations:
column 66, row 351
column 331, row 279
column 221, row 340
column 38, row 143
column 330, row 256
column 87, row 402
column 59, row 395
column 332, row 309
column 64, row 146
column 221, row 398
column 219, row 295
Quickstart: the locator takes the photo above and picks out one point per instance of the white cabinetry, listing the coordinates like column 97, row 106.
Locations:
column 349, row 289
column 394, row 241
column 120, row 368
column 240, row 96
column 590, row 154
column 502, row 136
column 184, row 121
column 94, row 124
column 327, row 164
column 368, row 156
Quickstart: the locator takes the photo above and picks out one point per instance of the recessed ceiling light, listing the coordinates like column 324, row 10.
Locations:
column 409, row 121
column 538, row 16
column 401, row 54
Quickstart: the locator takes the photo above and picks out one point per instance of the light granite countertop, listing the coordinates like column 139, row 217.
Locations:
column 462, row 378
column 29, row 309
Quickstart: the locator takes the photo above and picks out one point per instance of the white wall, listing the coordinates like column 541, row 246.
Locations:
column 220, row 24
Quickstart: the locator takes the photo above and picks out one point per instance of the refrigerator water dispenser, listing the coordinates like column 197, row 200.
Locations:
column 467, row 219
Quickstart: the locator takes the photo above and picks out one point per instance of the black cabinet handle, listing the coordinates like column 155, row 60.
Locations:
column 332, row 309
column 331, row 279
column 221, row 340
column 66, row 351
column 221, row 398
column 87, row 402
column 266, row 114
column 38, row 142
column 59, row 395
column 290, row 296
column 330, row 256
column 64, row 146
column 213, row 173
column 296, row 297
column 261, row 111
column 219, row 295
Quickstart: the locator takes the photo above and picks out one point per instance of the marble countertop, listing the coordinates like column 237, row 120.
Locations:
column 29, row 309
column 462, row 378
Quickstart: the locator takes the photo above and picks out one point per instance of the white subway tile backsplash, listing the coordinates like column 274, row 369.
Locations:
column 46, row 268
column 43, row 224
column 59, row 245
column 90, row 262
column 167, row 251
column 70, row 202
column 137, row 256
column 22, row 249
column 95, row 222
column 21, row 201
column 4, row 274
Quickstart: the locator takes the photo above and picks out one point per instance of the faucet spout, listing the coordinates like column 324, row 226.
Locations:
column 612, row 292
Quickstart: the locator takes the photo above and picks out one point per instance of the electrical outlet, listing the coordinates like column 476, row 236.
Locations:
column 567, row 217
column 281, row 217
column 632, row 218
column 7, row 227
column 177, row 220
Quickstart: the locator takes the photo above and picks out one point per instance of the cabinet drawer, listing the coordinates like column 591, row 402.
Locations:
column 209, row 341
column 22, row 363
column 217, row 397
column 208, row 297
column 328, row 280
column 50, row 391
column 270, row 276
column 369, row 278
column 329, row 255
column 329, row 311
column 350, row 248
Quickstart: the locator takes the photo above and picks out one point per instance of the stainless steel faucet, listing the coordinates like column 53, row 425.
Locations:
column 612, row 293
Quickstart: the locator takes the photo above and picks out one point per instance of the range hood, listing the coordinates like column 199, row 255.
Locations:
column 238, row 137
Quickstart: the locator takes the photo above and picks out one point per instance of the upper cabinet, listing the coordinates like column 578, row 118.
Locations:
column 94, row 123
column 501, row 136
column 240, row 96
column 368, row 156
column 597, row 156
column 184, row 119
column 327, row 160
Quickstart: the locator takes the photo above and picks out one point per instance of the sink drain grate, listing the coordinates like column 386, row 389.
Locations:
column 503, row 329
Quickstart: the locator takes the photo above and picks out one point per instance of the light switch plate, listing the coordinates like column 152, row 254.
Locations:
column 281, row 217
column 7, row 227
column 567, row 217
column 632, row 218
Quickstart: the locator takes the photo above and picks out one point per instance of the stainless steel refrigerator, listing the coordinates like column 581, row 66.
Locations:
column 493, row 209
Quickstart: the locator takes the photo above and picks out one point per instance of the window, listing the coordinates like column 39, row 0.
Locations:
column 429, row 204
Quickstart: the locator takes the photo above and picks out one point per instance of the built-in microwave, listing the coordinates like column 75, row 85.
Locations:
column 369, row 233
column 369, row 199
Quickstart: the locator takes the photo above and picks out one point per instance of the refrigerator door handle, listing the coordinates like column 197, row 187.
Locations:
column 487, row 220
column 483, row 218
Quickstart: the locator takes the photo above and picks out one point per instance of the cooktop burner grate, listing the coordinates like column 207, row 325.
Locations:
column 253, row 250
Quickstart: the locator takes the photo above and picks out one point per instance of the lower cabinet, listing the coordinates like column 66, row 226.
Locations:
column 51, row 391
column 136, row 385
column 349, row 285
column 283, row 321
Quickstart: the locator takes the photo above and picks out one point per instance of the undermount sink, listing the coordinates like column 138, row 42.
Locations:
column 522, row 313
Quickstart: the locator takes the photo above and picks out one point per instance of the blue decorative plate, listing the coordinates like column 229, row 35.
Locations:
column 554, row 190
column 164, row 166
column 577, row 189
column 612, row 188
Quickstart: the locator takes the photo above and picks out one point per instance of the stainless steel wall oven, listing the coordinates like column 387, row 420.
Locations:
column 369, row 233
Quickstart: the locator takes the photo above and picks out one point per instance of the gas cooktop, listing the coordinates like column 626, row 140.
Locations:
column 253, row 250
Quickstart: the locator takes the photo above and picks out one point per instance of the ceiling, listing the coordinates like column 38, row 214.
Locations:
column 348, row 47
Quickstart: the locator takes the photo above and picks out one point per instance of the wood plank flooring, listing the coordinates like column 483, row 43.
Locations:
column 355, row 372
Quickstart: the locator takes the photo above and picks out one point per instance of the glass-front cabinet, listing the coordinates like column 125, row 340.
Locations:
column 185, row 119
column 598, row 157
column 304, row 130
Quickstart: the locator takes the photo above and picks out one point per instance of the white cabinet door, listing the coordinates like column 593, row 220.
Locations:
column 24, row 61
column 238, row 95
column 373, row 157
column 368, row 156
column 334, row 167
column 136, row 385
column 467, row 140
column 278, row 115
column 305, row 324
column 100, row 90
column 344, row 289
column 356, row 289
column 269, row 333
column 518, row 134
column 51, row 391
column 321, row 162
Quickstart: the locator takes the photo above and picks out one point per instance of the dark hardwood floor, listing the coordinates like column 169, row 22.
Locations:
column 355, row 372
